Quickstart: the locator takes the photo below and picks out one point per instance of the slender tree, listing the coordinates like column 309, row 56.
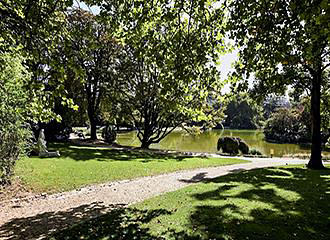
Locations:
column 91, row 53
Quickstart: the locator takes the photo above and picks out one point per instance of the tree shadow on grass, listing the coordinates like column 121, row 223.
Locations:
column 288, row 203
column 92, row 222
column 123, row 224
column 85, row 153
column 273, row 203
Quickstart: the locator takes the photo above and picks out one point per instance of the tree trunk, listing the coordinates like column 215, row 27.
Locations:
column 93, row 130
column 315, row 161
column 145, row 145
column 92, row 121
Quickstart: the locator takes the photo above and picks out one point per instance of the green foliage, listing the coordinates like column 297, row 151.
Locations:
column 92, row 54
column 306, row 119
column 14, row 105
column 242, row 112
column 38, row 28
column 273, row 102
column 167, row 72
column 284, row 43
column 302, row 97
column 287, row 126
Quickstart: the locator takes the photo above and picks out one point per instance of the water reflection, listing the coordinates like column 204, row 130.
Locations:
column 207, row 142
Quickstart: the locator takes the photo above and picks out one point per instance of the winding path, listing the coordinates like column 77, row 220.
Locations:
column 38, row 216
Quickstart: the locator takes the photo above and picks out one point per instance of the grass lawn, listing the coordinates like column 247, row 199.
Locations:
column 79, row 166
column 273, row 203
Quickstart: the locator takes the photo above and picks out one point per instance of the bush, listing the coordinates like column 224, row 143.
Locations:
column 13, row 106
column 254, row 151
column 286, row 126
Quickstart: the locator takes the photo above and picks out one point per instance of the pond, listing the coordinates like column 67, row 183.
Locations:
column 207, row 142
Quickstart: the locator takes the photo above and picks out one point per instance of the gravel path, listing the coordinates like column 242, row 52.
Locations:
column 38, row 216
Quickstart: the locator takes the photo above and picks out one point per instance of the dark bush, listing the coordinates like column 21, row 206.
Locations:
column 254, row 151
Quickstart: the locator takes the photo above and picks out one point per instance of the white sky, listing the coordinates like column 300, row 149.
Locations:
column 95, row 9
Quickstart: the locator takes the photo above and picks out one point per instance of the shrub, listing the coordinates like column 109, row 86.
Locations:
column 13, row 104
column 254, row 151
column 286, row 126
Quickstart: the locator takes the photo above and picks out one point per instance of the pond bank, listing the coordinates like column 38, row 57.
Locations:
column 207, row 142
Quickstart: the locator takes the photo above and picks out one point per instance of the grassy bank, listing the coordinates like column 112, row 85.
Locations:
column 79, row 166
column 274, row 203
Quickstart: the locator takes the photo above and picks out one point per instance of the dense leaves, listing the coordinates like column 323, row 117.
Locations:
column 286, row 126
column 30, row 71
column 167, row 73
column 37, row 27
column 13, row 104
column 92, row 55
column 243, row 113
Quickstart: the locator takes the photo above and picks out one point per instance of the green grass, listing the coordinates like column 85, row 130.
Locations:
column 273, row 203
column 79, row 166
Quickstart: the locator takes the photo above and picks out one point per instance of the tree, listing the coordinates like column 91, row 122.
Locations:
column 29, row 75
column 37, row 27
column 92, row 56
column 167, row 73
column 14, row 103
column 287, row 126
column 284, row 43
column 242, row 113
column 272, row 103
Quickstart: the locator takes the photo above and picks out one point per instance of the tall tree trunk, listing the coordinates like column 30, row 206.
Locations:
column 93, row 130
column 145, row 145
column 92, row 120
column 315, row 161
column 145, row 140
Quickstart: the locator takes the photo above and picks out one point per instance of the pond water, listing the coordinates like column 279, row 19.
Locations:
column 207, row 142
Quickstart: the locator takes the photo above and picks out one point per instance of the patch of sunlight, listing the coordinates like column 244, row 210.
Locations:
column 311, row 230
column 246, row 209
column 282, row 173
column 325, row 176
column 295, row 213
column 283, row 193
column 98, row 153
column 328, row 192
column 86, row 147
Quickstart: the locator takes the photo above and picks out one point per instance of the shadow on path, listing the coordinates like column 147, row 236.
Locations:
column 41, row 225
